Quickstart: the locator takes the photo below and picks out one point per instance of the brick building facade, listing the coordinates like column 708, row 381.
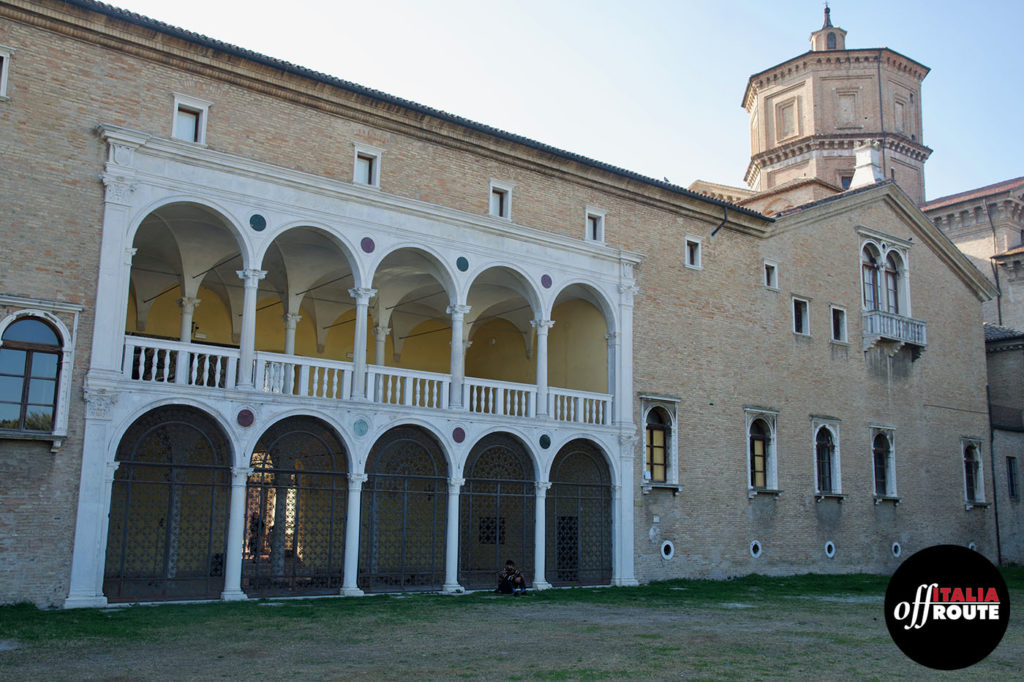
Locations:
column 297, row 336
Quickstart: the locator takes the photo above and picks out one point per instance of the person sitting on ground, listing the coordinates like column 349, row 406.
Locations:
column 510, row 580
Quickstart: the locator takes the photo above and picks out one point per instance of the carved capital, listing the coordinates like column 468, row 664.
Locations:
column 458, row 311
column 118, row 190
column 627, row 289
column 542, row 487
column 362, row 295
column 251, row 277
column 98, row 403
column 291, row 319
column 454, row 484
column 189, row 304
column 542, row 326
column 356, row 481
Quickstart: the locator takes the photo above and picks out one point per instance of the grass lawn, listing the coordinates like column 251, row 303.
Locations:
column 801, row 627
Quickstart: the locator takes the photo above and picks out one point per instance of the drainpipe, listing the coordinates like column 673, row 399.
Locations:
column 725, row 218
column 995, row 267
column 992, row 461
column 881, row 110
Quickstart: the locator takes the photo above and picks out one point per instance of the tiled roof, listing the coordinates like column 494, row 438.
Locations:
column 1004, row 186
column 993, row 332
column 199, row 39
column 1015, row 251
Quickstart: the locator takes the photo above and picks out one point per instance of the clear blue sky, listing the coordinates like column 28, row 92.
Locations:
column 650, row 85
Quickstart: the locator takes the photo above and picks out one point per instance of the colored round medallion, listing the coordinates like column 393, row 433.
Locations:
column 257, row 222
column 246, row 417
column 545, row 441
column 545, row 281
column 360, row 427
column 367, row 245
column 458, row 435
column 462, row 264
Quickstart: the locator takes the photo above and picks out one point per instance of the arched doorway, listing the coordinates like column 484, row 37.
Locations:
column 296, row 503
column 169, row 509
column 404, row 513
column 579, row 517
column 496, row 511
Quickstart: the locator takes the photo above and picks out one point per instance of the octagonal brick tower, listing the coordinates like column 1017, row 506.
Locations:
column 808, row 114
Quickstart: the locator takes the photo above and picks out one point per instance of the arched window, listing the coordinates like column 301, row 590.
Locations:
column 656, row 460
column 892, row 284
column 972, row 474
column 881, row 452
column 825, row 449
column 869, row 273
column 759, row 442
column 30, row 363
column 831, row 41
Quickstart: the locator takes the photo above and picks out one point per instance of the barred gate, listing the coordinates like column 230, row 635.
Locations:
column 404, row 514
column 295, row 510
column 578, row 536
column 497, row 510
column 169, row 508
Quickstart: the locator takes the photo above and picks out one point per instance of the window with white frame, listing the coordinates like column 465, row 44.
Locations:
column 693, row 252
column 974, row 484
column 762, row 466
column 594, row 225
column 36, row 359
column 500, row 201
column 884, row 282
column 190, row 118
column 771, row 274
column 838, row 324
column 827, row 470
column 661, row 468
column 366, row 165
column 5, row 68
column 801, row 316
column 883, row 442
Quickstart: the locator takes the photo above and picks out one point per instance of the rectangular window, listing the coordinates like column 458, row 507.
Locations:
column 845, row 181
column 656, row 461
column 801, row 321
column 365, row 169
column 501, row 194
column 1012, row 485
column 771, row 275
column 5, row 65
column 594, row 225
column 190, row 119
column 838, row 324
column 693, row 253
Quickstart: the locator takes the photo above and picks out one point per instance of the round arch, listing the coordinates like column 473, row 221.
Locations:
column 578, row 535
column 404, row 509
column 169, row 508
column 295, row 511
column 497, row 509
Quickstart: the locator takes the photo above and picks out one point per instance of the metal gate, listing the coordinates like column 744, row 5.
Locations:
column 404, row 514
column 296, row 500
column 497, row 510
column 579, row 517
column 169, row 507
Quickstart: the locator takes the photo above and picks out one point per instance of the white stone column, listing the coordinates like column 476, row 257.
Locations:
column 458, row 364
column 291, row 321
column 247, row 342
column 188, row 308
column 613, row 359
column 362, row 296
column 451, row 558
column 236, row 536
column 539, row 545
column 381, row 334
column 542, row 327
column 350, row 586
column 89, row 554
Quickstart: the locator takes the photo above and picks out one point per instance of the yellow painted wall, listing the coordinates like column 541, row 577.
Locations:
column 577, row 348
column 427, row 352
column 499, row 352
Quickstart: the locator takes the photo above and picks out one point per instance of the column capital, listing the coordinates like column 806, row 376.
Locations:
column 357, row 479
column 252, row 276
column 129, row 255
column 542, row 487
column 630, row 290
column 612, row 338
column 458, row 311
column 362, row 295
column 542, row 326
column 380, row 331
column 291, row 318
column 240, row 475
column 189, row 302
column 454, row 484
column 112, row 469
